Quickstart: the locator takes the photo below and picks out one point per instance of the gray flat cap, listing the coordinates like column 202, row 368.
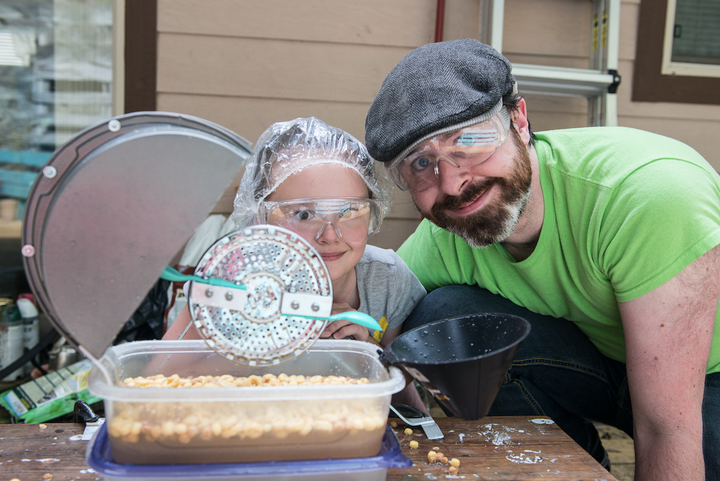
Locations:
column 434, row 87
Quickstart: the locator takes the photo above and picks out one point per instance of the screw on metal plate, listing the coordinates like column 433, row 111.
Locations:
column 208, row 292
column 229, row 296
column 28, row 250
column 295, row 305
column 315, row 307
column 114, row 125
column 49, row 171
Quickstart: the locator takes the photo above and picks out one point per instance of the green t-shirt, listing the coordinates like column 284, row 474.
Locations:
column 625, row 211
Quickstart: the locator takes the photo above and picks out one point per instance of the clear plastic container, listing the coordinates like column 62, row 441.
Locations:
column 372, row 468
column 243, row 424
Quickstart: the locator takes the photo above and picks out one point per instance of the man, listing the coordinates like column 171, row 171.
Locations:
column 605, row 239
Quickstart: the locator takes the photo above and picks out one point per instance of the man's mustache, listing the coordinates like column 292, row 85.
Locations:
column 472, row 192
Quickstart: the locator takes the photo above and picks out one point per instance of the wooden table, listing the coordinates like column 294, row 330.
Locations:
column 493, row 448
column 499, row 448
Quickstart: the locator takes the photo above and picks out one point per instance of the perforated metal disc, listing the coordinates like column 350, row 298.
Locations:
column 256, row 326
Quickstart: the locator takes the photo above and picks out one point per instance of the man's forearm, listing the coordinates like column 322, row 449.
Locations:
column 669, row 457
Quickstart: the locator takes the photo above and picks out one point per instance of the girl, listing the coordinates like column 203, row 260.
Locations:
column 319, row 182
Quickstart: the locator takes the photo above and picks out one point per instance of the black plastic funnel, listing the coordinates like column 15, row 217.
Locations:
column 461, row 361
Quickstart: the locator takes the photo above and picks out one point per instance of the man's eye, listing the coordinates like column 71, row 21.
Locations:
column 421, row 163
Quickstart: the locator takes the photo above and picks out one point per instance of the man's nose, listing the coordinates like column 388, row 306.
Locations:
column 328, row 235
column 451, row 178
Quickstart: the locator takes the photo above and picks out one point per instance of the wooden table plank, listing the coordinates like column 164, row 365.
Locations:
column 500, row 448
column 29, row 451
column 493, row 448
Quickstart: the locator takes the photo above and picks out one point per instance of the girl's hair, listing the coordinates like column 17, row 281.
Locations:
column 286, row 148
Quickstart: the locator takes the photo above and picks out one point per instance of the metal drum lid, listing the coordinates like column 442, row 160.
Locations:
column 280, row 306
column 112, row 208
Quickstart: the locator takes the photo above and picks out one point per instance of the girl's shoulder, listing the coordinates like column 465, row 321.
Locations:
column 374, row 254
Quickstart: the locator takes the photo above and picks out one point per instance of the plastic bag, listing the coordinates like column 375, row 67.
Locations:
column 148, row 321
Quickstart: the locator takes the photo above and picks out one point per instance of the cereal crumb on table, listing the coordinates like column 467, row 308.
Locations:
column 414, row 444
column 408, row 431
column 452, row 470
column 455, row 462
column 47, row 476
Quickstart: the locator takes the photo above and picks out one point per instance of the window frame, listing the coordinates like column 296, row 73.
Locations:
column 649, row 83
column 687, row 69
column 140, row 56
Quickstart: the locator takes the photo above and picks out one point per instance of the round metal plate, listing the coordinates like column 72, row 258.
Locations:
column 267, row 260
column 112, row 207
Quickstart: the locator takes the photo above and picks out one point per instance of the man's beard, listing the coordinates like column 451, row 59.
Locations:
column 494, row 222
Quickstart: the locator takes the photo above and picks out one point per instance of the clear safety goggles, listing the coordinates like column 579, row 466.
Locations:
column 463, row 147
column 351, row 218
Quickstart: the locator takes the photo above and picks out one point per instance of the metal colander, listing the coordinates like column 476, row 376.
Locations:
column 281, row 303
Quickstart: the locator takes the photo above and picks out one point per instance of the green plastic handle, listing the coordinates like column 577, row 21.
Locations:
column 356, row 317
column 359, row 318
column 170, row 274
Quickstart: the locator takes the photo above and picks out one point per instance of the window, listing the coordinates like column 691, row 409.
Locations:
column 678, row 52
column 62, row 69
column 692, row 38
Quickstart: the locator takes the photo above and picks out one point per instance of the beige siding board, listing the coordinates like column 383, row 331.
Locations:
column 629, row 14
column 272, row 68
column 541, row 121
column 551, row 60
column 393, row 233
column 403, row 207
column 558, row 28
column 462, row 19
column 550, row 112
column 557, row 104
column 247, row 64
column 407, row 23
column 249, row 117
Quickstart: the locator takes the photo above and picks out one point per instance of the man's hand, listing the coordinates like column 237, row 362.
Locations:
column 344, row 329
column 668, row 334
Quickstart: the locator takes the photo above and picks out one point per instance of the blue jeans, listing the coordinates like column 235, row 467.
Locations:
column 558, row 372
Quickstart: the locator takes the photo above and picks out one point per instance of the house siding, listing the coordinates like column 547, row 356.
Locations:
column 246, row 64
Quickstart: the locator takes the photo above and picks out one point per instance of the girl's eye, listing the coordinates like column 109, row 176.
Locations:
column 345, row 212
column 304, row 215
column 353, row 211
column 349, row 211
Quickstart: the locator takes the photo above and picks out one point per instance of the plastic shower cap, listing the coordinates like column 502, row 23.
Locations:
column 286, row 148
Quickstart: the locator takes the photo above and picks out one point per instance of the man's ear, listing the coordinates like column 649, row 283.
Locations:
column 520, row 122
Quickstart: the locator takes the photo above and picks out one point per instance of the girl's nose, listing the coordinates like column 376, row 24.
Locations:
column 328, row 234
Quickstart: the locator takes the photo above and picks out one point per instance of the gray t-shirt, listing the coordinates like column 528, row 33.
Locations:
column 388, row 290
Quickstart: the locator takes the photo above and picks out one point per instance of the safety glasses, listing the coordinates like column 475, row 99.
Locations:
column 463, row 148
column 352, row 219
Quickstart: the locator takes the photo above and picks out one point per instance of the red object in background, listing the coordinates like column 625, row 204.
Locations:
column 28, row 296
column 439, row 20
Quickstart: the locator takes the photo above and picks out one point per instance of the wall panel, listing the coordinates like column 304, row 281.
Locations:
column 245, row 64
column 403, row 23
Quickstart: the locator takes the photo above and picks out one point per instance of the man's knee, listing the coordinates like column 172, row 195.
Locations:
column 462, row 300
column 447, row 302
